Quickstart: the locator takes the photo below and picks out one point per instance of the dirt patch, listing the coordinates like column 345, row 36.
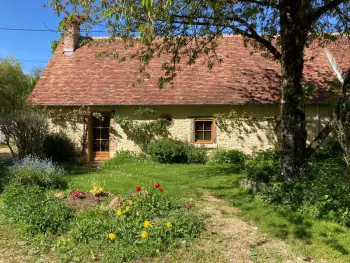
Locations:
column 86, row 201
column 244, row 242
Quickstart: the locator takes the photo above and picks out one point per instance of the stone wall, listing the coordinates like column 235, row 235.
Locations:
column 247, row 136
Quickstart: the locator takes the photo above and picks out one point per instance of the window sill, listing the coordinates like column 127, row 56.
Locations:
column 205, row 145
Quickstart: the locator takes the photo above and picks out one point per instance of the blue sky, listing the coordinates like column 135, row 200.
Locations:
column 31, row 48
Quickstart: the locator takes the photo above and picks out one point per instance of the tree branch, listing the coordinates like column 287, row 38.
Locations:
column 262, row 3
column 251, row 34
column 324, row 9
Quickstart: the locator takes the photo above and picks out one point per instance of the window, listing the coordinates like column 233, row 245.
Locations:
column 100, row 134
column 204, row 131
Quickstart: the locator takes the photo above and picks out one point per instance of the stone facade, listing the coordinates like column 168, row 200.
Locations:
column 248, row 136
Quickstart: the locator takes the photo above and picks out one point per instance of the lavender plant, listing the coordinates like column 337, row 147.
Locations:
column 31, row 170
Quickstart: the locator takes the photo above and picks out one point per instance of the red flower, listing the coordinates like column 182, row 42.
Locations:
column 156, row 185
column 161, row 190
column 138, row 188
column 77, row 195
column 188, row 206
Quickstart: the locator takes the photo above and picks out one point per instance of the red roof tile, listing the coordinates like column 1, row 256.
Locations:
column 243, row 77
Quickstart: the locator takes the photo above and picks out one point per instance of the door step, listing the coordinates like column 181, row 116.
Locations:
column 95, row 164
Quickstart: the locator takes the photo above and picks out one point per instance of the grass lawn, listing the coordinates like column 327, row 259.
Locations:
column 311, row 238
column 188, row 183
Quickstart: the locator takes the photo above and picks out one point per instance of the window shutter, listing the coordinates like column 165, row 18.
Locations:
column 192, row 131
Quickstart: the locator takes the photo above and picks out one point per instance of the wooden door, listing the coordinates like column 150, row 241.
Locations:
column 99, row 138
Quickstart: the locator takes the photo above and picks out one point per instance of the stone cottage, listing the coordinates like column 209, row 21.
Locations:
column 245, row 82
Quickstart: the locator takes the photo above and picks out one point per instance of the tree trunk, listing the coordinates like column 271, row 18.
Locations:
column 293, row 123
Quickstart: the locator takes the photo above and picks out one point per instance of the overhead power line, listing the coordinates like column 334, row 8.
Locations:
column 42, row 30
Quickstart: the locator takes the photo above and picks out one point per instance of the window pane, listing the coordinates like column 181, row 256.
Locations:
column 207, row 136
column 95, row 122
column 105, row 133
column 199, row 136
column 96, row 133
column 95, row 146
column 104, row 145
column 105, row 122
column 207, row 125
column 199, row 125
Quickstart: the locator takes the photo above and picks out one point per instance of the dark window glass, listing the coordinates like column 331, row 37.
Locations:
column 207, row 125
column 96, row 133
column 95, row 146
column 105, row 133
column 199, row 125
column 104, row 146
column 207, row 135
column 105, row 122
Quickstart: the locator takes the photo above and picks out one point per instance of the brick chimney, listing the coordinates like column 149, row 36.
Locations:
column 71, row 37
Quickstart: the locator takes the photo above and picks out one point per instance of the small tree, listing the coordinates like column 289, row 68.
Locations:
column 28, row 129
column 142, row 131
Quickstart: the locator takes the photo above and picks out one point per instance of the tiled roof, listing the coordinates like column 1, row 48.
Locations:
column 244, row 77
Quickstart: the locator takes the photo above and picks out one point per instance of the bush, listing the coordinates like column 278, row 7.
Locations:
column 28, row 129
column 331, row 151
column 59, row 148
column 261, row 171
column 32, row 170
column 168, row 151
column 322, row 193
column 175, row 151
column 268, row 155
column 228, row 157
column 196, row 155
column 143, row 225
column 264, row 167
column 127, row 157
column 37, row 212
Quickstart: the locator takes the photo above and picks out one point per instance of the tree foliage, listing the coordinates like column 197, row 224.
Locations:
column 19, row 122
column 189, row 29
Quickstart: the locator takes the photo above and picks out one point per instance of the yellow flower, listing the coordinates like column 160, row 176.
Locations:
column 147, row 224
column 127, row 208
column 157, row 250
column 169, row 225
column 119, row 212
column 130, row 202
column 144, row 234
column 112, row 236
column 96, row 190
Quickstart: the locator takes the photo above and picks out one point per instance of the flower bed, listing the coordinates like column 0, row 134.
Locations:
column 142, row 224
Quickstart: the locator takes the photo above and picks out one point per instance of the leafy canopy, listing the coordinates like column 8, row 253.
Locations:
column 190, row 28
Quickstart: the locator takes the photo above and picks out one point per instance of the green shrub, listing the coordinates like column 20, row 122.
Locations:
column 196, row 155
column 263, row 167
column 175, row 151
column 228, row 157
column 165, row 225
column 268, row 155
column 35, row 210
column 127, row 157
column 331, row 151
column 323, row 193
column 168, row 151
column 60, row 148
column 32, row 170
column 261, row 170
